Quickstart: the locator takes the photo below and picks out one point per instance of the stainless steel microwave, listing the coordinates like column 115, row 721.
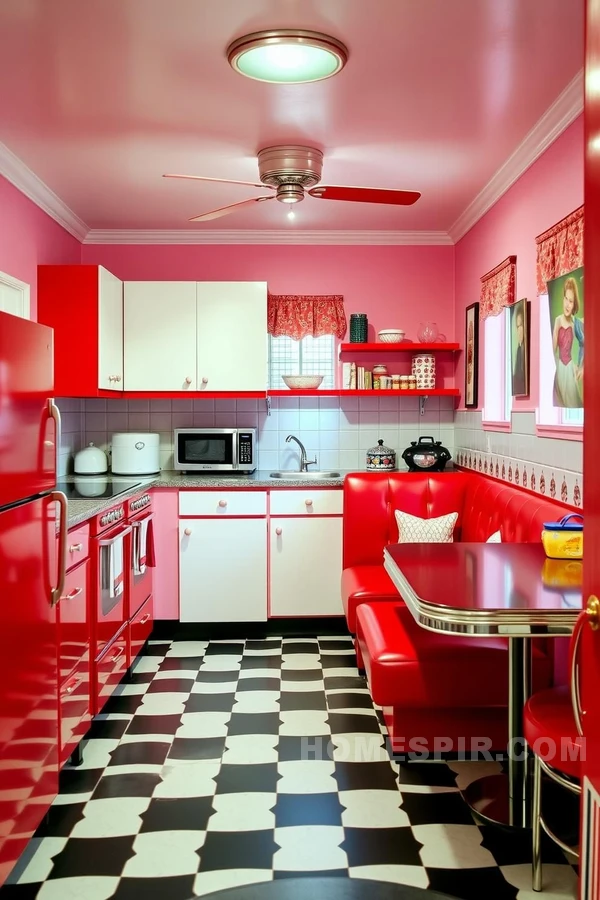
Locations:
column 215, row 449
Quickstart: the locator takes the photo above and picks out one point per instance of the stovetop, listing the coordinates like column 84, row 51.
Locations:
column 88, row 487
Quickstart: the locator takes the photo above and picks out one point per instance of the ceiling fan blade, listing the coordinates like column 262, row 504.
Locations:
column 220, row 180
column 365, row 194
column 225, row 210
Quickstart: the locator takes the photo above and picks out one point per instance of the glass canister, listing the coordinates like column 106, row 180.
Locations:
column 428, row 332
column 359, row 326
column 396, row 382
column 381, row 458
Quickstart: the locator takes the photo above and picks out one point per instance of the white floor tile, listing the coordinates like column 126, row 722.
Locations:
column 90, row 887
column 225, row 663
column 176, row 673
column 373, row 809
column 287, row 685
column 204, row 724
column 37, row 860
column 359, row 747
column 300, row 661
column 130, row 690
column 559, row 882
column 145, row 664
column 259, row 673
column 306, row 847
column 342, row 672
column 250, row 811
column 304, row 722
column 187, row 648
column 249, row 749
column 164, row 704
column 147, row 738
column 207, row 882
column 96, row 753
column 256, row 702
column 416, row 876
column 452, row 847
column 306, row 777
column 217, row 687
column 111, row 817
column 160, row 854
column 193, row 780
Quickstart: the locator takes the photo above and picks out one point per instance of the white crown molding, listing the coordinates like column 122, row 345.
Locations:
column 193, row 236
column 15, row 171
column 555, row 120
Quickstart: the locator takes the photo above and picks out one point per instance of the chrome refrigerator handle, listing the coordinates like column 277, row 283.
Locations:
column 54, row 413
column 56, row 593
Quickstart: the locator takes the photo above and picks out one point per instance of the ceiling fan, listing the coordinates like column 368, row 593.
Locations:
column 290, row 171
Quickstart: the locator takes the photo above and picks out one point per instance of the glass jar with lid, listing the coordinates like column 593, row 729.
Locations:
column 381, row 458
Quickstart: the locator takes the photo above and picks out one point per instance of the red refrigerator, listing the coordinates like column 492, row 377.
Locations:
column 32, row 541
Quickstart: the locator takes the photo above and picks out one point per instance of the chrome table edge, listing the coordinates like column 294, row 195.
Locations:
column 476, row 622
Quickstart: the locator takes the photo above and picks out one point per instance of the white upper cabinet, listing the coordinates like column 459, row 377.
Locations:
column 110, row 331
column 232, row 335
column 160, row 335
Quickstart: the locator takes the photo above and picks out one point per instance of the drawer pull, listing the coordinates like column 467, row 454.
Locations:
column 72, row 594
column 117, row 655
column 144, row 619
column 188, row 380
column 223, row 503
column 75, row 548
column 187, row 532
column 205, row 381
column 73, row 685
column 278, row 531
column 308, row 502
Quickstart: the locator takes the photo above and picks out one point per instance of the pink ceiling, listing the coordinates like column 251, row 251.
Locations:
column 101, row 97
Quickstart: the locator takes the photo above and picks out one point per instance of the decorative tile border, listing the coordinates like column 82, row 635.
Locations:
column 556, row 484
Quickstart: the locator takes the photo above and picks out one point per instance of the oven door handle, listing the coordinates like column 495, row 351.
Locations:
column 143, row 544
column 109, row 579
column 108, row 542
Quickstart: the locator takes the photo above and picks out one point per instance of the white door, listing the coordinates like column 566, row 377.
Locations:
column 223, row 570
column 160, row 335
column 14, row 296
column 110, row 331
column 232, row 335
column 306, row 566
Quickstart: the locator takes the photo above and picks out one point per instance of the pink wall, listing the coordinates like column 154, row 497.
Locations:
column 395, row 286
column 549, row 190
column 28, row 236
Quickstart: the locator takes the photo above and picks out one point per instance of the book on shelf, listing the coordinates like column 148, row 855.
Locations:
column 352, row 376
column 368, row 380
column 346, row 374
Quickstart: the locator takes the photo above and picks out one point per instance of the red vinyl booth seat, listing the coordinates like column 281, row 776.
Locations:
column 550, row 729
column 484, row 505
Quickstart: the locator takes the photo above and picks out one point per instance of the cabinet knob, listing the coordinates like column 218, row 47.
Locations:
column 205, row 381
column 278, row 531
column 308, row 502
column 187, row 532
column 111, row 377
column 188, row 380
column 75, row 548
column 117, row 377
column 223, row 503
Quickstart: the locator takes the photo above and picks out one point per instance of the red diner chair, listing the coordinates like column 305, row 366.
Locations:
column 553, row 729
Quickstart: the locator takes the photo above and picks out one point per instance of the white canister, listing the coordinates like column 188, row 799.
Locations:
column 423, row 368
column 135, row 454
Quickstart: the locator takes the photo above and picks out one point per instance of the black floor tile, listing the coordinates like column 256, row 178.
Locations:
column 513, row 847
column 236, row 779
column 182, row 814
column 140, row 678
column 151, row 753
column 130, row 784
column 365, row 776
column 336, row 644
column 308, row 809
column 315, row 674
column 343, row 682
column 246, row 850
column 227, row 677
column 429, row 809
column 126, row 703
column 472, row 884
column 338, row 661
column 349, row 700
column 197, row 748
column 158, row 649
column 291, row 700
column 272, row 644
column 154, row 724
column 381, row 847
column 171, row 685
column 254, row 723
column 60, row 820
column 353, row 723
column 431, row 774
column 294, row 748
column 78, row 781
column 175, row 888
column 92, row 856
column 310, row 648
column 20, row 891
column 261, row 662
column 181, row 663
column 231, row 649
column 259, row 684
column 313, row 873
column 107, row 729
column 209, row 703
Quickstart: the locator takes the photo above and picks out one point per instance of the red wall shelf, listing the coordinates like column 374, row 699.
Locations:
column 401, row 347
column 434, row 392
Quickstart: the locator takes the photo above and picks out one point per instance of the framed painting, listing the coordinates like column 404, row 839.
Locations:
column 471, row 354
column 565, row 299
column 519, row 348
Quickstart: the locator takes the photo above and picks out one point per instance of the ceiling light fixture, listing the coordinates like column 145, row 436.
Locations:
column 291, row 214
column 287, row 56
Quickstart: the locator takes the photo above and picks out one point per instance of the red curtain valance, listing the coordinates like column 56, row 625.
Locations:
column 298, row 315
column 560, row 249
column 498, row 288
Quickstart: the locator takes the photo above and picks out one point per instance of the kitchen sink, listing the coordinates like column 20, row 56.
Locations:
column 299, row 476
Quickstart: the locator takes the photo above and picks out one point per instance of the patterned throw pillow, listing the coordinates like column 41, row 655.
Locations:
column 495, row 538
column 413, row 530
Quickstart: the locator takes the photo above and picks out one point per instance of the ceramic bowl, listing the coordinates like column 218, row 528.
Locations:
column 303, row 382
column 391, row 336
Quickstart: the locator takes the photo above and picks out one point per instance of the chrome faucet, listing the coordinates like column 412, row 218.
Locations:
column 304, row 462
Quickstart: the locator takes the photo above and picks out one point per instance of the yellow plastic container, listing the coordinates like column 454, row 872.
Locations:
column 564, row 539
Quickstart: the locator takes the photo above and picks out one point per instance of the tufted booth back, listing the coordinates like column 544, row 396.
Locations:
column 483, row 505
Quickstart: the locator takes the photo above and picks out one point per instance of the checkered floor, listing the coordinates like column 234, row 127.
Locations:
column 231, row 762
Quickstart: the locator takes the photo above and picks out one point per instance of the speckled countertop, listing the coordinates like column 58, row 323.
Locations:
column 80, row 510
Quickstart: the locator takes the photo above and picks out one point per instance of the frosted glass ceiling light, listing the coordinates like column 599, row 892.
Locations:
column 287, row 56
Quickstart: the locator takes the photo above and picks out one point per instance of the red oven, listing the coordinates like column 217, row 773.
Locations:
column 140, row 611
column 110, row 551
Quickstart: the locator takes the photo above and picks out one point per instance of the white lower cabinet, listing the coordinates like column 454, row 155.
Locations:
column 223, row 570
column 306, row 566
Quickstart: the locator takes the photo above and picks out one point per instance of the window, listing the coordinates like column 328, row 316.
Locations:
column 308, row 356
column 497, row 390
column 548, row 415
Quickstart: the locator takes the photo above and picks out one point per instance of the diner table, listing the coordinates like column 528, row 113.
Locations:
column 507, row 589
